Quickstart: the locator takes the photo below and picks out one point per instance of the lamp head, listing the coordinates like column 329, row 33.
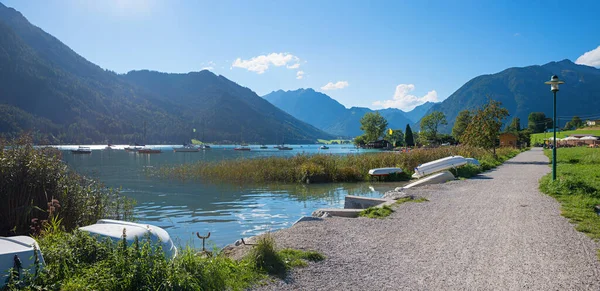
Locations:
column 554, row 82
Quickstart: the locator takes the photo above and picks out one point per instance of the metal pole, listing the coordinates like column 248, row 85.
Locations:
column 554, row 148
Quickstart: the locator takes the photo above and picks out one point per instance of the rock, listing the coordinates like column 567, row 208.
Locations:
column 322, row 214
column 395, row 195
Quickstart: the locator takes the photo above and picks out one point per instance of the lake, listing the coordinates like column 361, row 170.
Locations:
column 228, row 211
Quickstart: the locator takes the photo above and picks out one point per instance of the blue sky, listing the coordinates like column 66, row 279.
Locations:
column 362, row 53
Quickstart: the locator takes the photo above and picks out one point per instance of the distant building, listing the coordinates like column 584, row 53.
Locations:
column 592, row 122
column 508, row 139
column 380, row 144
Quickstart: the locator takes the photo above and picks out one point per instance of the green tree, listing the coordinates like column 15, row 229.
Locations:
column 462, row 120
column 576, row 122
column 430, row 124
column 485, row 127
column 515, row 125
column 536, row 122
column 359, row 140
column 374, row 125
column 397, row 137
column 408, row 137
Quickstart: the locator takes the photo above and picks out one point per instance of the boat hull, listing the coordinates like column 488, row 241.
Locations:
column 384, row 171
column 21, row 246
column 439, row 165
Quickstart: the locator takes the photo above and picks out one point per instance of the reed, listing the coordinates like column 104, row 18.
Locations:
column 304, row 168
column 36, row 185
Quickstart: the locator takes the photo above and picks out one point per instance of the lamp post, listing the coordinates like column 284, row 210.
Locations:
column 554, row 82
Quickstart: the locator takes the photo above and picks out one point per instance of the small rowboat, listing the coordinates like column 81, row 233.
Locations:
column 19, row 248
column 384, row 171
column 439, row 165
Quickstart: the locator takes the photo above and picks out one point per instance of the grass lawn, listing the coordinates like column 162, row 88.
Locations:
column 577, row 187
column 539, row 137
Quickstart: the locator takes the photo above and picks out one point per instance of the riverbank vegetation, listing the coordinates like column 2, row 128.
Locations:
column 77, row 261
column 35, row 185
column 304, row 168
column 577, row 187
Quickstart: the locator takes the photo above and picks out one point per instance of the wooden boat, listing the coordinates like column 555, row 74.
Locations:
column 148, row 151
column 82, row 150
column 114, row 229
column 188, row 148
column 384, row 171
column 439, row 165
column 21, row 247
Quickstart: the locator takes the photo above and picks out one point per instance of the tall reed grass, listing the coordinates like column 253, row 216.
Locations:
column 324, row 168
column 35, row 184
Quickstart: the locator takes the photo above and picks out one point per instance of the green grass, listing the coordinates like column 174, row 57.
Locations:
column 77, row 261
column 538, row 138
column 325, row 167
column 577, row 187
column 385, row 211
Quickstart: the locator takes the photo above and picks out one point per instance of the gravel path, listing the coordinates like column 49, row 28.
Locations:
column 496, row 231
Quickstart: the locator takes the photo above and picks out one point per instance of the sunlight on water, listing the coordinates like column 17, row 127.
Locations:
column 229, row 212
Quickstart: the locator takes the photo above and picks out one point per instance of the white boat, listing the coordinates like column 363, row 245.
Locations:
column 82, row 150
column 437, row 178
column 188, row 148
column 472, row 161
column 324, row 147
column 439, row 165
column 21, row 247
column 384, row 171
column 114, row 230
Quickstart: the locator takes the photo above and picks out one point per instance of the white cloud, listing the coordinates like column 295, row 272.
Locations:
column 405, row 101
column 299, row 75
column 591, row 58
column 261, row 63
column 335, row 86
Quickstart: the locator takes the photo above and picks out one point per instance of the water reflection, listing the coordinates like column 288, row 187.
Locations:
column 228, row 211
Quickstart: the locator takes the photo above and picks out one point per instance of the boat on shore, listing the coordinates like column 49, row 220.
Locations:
column 116, row 229
column 439, row 165
column 187, row 148
column 384, row 171
column 18, row 248
column 82, row 150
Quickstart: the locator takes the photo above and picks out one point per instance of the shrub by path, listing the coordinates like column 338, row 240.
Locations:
column 496, row 231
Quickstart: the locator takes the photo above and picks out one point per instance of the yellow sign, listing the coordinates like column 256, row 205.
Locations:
column 390, row 131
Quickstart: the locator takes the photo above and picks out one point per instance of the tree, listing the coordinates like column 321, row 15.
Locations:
column 460, row 125
column 408, row 137
column 374, row 125
column 430, row 124
column 575, row 122
column 515, row 125
column 485, row 127
column 536, row 122
column 359, row 140
column 396, row 137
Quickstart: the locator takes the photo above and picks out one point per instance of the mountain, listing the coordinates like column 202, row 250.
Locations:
column 48, row 89
column 522, row 91
column 418, row 112
column 329, row 115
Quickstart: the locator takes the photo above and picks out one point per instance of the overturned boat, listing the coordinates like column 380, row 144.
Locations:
column 439, row 165
column 384, row 171
column 18, row 252
column 115, row 229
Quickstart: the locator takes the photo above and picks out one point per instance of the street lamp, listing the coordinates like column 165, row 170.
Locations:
column 554, row 82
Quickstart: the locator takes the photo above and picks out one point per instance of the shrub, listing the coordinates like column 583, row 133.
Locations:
column 35, row 185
